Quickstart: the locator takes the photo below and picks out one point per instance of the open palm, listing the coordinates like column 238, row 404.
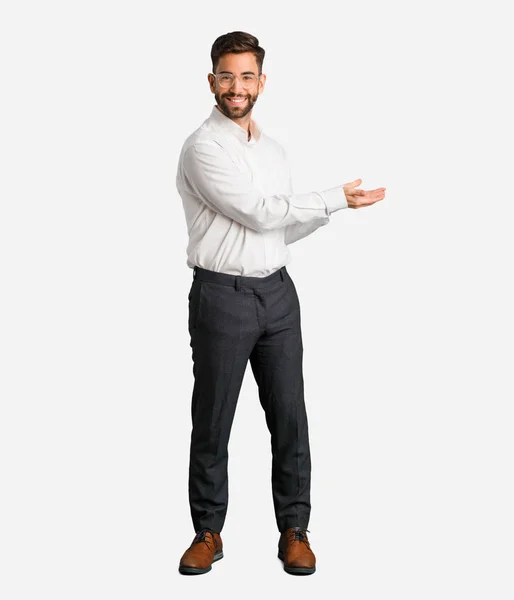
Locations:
column 357, row 198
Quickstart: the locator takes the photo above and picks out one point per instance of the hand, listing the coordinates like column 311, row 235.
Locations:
column 359, row 198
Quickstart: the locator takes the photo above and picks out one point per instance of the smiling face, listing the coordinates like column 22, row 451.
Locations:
column 239, row 65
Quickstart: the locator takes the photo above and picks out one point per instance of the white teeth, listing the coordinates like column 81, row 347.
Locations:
column 237, row 101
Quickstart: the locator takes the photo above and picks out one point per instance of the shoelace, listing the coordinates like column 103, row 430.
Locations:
column 201, row 537
column 299, row 534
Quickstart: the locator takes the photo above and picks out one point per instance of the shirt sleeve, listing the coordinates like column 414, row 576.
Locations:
column 334, row 201
column 218, row 182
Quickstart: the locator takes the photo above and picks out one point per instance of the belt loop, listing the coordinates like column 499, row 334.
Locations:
column 194, row 272
column 238, row 283
column 282, row 273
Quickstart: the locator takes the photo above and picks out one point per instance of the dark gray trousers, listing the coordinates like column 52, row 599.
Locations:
column 233, row 319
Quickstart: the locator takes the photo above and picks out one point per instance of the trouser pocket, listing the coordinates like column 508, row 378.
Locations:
column 194, row 298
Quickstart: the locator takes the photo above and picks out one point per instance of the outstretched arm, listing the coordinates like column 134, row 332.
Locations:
column 218, row 182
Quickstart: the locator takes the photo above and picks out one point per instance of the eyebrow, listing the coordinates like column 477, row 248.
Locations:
column 230, row 73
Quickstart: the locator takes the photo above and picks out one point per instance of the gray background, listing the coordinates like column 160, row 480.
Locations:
column 406, row 305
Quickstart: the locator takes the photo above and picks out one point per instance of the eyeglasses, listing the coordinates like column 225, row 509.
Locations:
column 226, row 80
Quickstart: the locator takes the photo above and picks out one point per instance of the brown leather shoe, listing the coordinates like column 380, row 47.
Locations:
column 205, row 549
column 295, row 550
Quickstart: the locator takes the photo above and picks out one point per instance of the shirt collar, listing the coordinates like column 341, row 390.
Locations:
column 224, row 123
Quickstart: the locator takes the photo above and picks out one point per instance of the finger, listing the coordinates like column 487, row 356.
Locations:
column 353, row 184
column 376, row 192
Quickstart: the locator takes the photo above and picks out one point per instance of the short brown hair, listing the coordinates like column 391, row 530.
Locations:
column 236, row 42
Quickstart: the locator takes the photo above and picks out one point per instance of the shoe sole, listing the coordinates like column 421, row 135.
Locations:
column 195, row 571
column 296, row 570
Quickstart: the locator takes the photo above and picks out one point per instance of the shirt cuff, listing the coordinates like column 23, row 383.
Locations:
column 334, row 198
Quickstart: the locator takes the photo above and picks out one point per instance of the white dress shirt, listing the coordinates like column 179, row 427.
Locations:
column 238, row 199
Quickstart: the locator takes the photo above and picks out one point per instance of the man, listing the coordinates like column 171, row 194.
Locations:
column 241, row 215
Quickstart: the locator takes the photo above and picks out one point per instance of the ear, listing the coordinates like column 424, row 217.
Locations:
column 212, row 82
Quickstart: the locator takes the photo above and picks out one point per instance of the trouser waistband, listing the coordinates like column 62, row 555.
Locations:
column 238, row 281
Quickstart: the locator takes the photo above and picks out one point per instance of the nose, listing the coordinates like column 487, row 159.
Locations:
column 237, row 86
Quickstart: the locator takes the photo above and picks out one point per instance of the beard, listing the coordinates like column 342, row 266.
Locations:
column 235, row 112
